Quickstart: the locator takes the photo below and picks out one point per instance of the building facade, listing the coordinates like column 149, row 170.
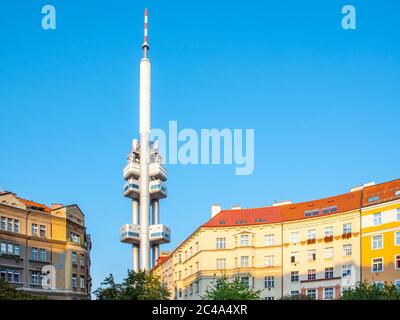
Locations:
column 318, row 248
column 43, row 250
column 380, row 220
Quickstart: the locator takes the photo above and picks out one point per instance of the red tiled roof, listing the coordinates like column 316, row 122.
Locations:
column 161, row 260
column 35, row 205
column 344, row 202
column 245, row 217
column 288, row 212
column 380, row 193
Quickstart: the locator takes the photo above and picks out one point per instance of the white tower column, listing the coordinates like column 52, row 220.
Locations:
column 135, row 248
column 155, row 220
column 145, row 101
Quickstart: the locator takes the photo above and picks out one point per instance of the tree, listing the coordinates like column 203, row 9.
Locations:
column 136, row 286
column 223, row 289
column 9, row 292
column 372, row 291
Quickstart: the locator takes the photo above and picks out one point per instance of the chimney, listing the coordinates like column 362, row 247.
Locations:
column 236, row 207
column 215, row 209
column 368, row 184
column 281, row 203
column 55, row 206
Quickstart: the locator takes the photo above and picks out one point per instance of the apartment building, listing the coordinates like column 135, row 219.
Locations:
column 314, row 248
column 43, row 250
column 380, row 221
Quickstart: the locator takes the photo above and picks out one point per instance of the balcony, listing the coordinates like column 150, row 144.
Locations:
column 157, row 189
column 158, row 171
column 130, row 233
column 132, row 170
column 131, row 189
column 159, row 234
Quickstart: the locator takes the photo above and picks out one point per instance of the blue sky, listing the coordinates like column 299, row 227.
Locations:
column 323, row 101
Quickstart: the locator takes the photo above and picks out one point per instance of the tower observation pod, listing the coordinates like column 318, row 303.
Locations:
column 145, row 178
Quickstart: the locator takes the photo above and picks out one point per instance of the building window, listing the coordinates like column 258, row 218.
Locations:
column 269, row 282
column 16, row 250
column 3, row 223
column 329, row 253
column 180, row 275
column 312, row 293
column 311, row 255
column 10, row 275
column 294, row 293
column 244, row 261
column 197, row 266
column 346, row 270
column 398, row 214
column 374, row 198
column 294, row 237
column 397, row 283
column 221, row 263
column 311, row 234
column 328, row 273
column 180, row 258
column 76, row 238
column 74, row 281
column 245, row 281
column 197, row 287
column 16, row 225
column 9, row 224
column 329, row 232
column 3, row 248
column 328, row 293
column 35, row 254
column 294, row 276
column 377, row 265
column 221, row 243
column 42, row 255
column 42, row 231
column 397, row 238
column 244, row 240
column 82, row 282
column 82, row 260
column 311, row 274
column 294, row 257
column 377, row 219
column 347, row 228
column 269, row 261
column 16, row 277
column 10, row 249
column 347, row 250
column 190, row 289
column 36, row 278
column 74, row 258
column 34, row 229
column 269, row 240
column 377, row 242
column 397, row 264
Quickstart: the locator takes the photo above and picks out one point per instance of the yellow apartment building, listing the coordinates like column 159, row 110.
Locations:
column 311, row 248
column 381, row 233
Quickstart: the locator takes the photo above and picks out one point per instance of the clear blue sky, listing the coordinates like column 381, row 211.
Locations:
column 324, row 103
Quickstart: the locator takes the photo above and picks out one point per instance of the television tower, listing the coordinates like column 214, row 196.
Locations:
column 145, row 178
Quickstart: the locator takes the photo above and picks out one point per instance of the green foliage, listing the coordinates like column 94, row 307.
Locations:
column 9, row 292
column 137, row 286
column 223, row 289
column 371, row 291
